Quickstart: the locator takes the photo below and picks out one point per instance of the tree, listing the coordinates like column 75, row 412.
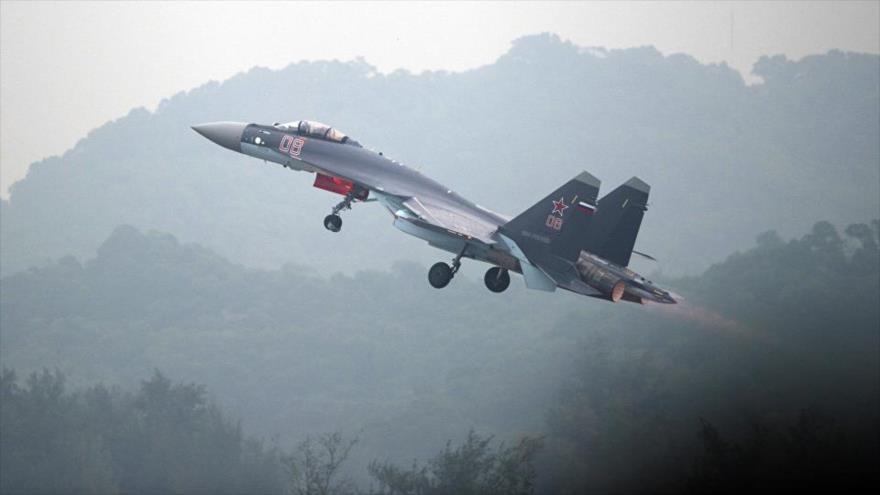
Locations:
column 471, row 468
column 165, row 439
column 314, row 468
column 811, row 455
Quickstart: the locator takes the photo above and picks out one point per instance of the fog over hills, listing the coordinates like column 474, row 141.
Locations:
column 774, row 345
column 175, row 318
column 726, row 161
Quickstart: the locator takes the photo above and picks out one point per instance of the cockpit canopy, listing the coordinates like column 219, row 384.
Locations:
column 313, row 129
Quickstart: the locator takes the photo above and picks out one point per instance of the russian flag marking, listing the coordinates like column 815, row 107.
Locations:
column 586, row 207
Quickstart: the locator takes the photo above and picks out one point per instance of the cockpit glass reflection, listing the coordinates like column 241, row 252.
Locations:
column 313, row 129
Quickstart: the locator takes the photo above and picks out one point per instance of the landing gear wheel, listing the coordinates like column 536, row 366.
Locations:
column 333, row 223
column 439, row 275
column 497, row 279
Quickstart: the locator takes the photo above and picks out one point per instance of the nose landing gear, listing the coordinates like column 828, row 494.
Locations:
column 333, row 222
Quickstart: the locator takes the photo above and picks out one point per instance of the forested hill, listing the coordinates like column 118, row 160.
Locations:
column 782, row 334
column 726, row 160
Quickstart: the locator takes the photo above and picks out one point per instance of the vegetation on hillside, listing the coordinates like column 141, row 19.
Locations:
column 766, row 374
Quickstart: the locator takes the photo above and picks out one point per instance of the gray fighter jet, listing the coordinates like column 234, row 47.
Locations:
column 570, row 239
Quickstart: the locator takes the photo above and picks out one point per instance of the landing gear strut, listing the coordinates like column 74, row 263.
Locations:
column 333, row 222
column 497, row 279
column 441, row 274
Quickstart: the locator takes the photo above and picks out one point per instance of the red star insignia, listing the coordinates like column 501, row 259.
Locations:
column 559, row 206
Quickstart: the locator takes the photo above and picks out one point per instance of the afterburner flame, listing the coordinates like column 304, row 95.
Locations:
column 709, row 319
column 617, row 291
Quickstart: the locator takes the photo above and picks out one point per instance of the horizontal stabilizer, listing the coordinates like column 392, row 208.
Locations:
column 643, row 255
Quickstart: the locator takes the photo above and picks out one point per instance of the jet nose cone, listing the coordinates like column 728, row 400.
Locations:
column 226, row 134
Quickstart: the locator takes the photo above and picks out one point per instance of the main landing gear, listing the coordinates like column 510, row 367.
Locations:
column 441, row 274
column 333, row 222
column 497, row 279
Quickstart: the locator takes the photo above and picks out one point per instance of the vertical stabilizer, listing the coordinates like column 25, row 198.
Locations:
column 559, row 223
column 616, row 223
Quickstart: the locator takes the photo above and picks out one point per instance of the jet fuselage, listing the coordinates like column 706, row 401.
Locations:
column 550, row 252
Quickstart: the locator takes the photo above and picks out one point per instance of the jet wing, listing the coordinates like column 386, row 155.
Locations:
column 414, row 206
column 449, row 218
column 435, row 214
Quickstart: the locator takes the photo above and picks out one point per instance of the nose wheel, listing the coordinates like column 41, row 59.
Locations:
column 497, row 279
column 441, row 274
column 333, row 222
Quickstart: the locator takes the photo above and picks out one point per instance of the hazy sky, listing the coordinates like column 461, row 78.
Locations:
column 66, row 68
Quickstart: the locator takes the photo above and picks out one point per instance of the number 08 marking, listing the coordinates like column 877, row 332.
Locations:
column 554, row 222
column 291, row 145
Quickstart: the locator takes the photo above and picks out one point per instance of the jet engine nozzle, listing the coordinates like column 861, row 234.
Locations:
column 601, row 278
column 617, row 291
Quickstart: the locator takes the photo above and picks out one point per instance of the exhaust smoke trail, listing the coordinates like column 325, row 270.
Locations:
column 708, row 318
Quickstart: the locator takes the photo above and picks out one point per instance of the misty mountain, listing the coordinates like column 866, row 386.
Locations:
column 772, row 330
column 373, row 350
column 726, row 160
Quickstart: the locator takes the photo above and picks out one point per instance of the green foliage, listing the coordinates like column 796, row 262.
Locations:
column 470, row 468
column 615, row 390
column 811, row 455
column 800, row 289
column 166, row 438
column 286, row 347
column 46, row 445
column 761, row 335
column 314, row 468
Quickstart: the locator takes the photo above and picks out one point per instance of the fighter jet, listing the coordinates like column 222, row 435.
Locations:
column 570, row 239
